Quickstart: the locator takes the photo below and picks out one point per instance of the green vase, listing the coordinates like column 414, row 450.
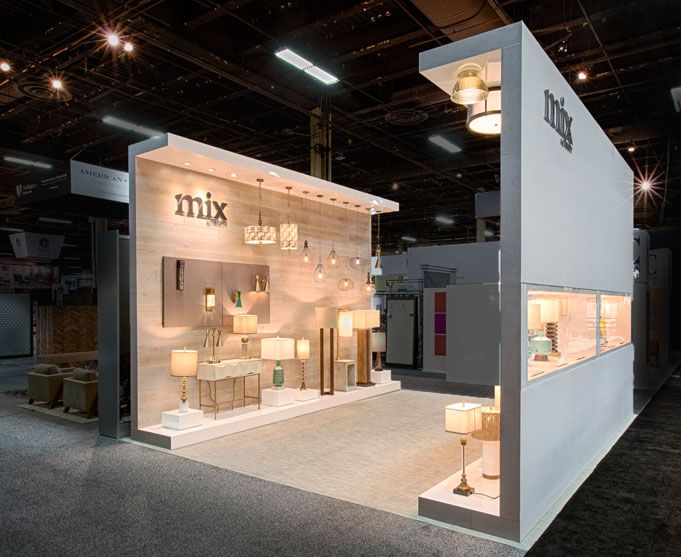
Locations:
column 238, row 299
column 278, row 376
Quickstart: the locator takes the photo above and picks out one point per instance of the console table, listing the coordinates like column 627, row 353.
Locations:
column 223, row 371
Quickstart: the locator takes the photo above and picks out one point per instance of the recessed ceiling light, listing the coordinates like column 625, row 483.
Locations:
column 56, row 84
column 55, row 220
column 459, row 175
column 26, row 162
column 187, row 163
column 273, row 173
column 112, row 39
column 233, row 174
column 443, row 219
column 646, row 185
column 124, row 124
column 408, row 239
column 5, row 67
column 582, row 75
column 211, row 169
column 444, row 143
column 128, row 47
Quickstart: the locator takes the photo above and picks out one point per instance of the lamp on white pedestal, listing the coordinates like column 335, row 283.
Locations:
column 463, row 418
column 245, row 325
column 277, row 349
column 183, row 363
column 378, row 346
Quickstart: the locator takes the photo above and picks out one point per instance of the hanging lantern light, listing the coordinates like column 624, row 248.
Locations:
column 288, row 233
column 356, row 261
column 306, row 256
column 259, row 234
column 319, row 271
column 332, row 260
column 345, row 284
column 470, row 88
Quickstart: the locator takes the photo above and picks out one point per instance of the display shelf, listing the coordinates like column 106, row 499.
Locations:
column 235, row 423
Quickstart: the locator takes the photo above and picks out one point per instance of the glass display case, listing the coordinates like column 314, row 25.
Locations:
column 615, row 321
column 562, row 330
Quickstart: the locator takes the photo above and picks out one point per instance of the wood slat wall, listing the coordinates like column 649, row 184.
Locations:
column 61, row 329
column 294, row 294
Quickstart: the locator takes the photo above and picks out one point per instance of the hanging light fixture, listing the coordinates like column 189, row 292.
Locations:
column 356, row 261
column 378, row 264
column 485, row 117
column 369, row 285
column 259, row 234
column 306, row 256
column 470, row 88
column 332, row 260
column 288, row 233
column 319, row 271
column 345, row 284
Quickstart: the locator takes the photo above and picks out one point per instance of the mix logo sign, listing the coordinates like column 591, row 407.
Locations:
column 558, row 118
column 204, row 209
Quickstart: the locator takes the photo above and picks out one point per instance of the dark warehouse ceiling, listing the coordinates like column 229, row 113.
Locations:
column 207, row 70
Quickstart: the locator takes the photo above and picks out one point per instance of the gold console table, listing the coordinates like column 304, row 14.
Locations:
column 226, row 370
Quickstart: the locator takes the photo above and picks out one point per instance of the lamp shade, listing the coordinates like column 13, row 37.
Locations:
column 497, row 396
column 245, row 324
column 550, row 310
column 344, row 323
column 277, row 348
column 363, row 319
column 326, row 317
column 303, row 349
column 462, row 418
column 183, row 363
column 378, row 342
column 534, row 316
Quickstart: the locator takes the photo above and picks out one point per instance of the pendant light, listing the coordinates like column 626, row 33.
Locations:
column 288, row 233
column 369, row 285
column 356, row 261
column 319, row 271
column 379, row 264
column 306, row 256
column 346, row 283
column 470, row 88
column 485, row 117
column 259, row 234
column 332, row 260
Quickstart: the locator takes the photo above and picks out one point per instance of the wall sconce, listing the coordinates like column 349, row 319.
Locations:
column 236, row 298
column 262, row 283
column 210, row 299
column 179, row 276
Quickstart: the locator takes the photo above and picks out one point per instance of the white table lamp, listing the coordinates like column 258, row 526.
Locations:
column 463, row 418
column 277, row 349
column 345, row 328
column 378, row 346
column 184, row 363
column 245, row 325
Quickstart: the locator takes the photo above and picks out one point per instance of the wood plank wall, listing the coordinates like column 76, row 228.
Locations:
column 62, row 329
column 294, row 294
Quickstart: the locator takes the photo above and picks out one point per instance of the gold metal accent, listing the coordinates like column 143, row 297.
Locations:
column 213, row 396
column 463, row 488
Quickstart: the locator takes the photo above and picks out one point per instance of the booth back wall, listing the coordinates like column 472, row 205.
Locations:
column 160, row 232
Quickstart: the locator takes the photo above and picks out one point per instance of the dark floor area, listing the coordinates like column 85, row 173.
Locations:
column 631, row 503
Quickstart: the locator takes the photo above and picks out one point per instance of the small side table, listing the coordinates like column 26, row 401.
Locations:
column 346, row 375
column 174, row 419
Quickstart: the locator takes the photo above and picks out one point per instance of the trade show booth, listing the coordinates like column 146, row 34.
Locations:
column 564, row 293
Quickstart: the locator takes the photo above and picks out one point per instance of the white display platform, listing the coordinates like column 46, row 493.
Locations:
column 278, row 397
column 212, row 429
column 307, row 394
column 174, row 419
column 380, row 377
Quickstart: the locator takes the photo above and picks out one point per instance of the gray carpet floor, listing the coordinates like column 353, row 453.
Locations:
column 68, row 491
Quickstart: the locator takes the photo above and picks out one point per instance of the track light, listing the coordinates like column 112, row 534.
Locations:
column 4, row 66
column 128, row 47
column 26, row 162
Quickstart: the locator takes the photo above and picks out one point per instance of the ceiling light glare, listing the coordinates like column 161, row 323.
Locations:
column 128, row 47
column 112, row 39
column 233, row 174
column 273, row 173
column 325, row 77
column 287, row 55
column 211, row 169
column 442, row 219
column 124, row 124
column 26, row 162
column 631, row 148
column 444, row 143
column 582, row 75
column 410, row 239
column 646, row 185
column 5, row 67
column 470, row 88
column 187, row 163
column 56, row 84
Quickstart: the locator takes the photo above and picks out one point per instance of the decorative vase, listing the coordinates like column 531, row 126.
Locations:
column 540, row 346
column 278, row 376
column 237, row 302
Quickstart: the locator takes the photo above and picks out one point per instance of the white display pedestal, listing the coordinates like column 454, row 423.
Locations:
column 380, row 377
column 175, row 419
column 278, row 397
column 307, row 394
column 346, row 375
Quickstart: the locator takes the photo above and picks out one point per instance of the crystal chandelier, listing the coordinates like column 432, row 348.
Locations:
column 288, row 233
column 332, row 260
column 319, row 271
column 259, row 234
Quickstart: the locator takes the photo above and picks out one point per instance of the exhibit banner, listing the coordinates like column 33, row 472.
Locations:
column 99, row 182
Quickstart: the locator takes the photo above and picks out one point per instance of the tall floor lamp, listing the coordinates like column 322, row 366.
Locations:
column 363, row 320
column 326, row 318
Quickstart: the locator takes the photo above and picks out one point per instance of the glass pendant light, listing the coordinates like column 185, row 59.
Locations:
column 356, row 261
column 288, row 233
column 470, row 88
column 369, row 285
column 345, row 284
column 332, row 260
column 306, row 256
column 319, row 271
column 259, row 234
column 485, row 117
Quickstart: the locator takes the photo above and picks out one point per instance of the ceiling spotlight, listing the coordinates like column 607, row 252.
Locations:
column 56, row 84
column 646, row 185
column 233, row 174
column 459, row 175
column 128, row 47
column 470, row 87
column 631, row 148
column 582, row 75
column 442, row 219
column 395, row 186
column 273, row 173
column 187, row 163
column 4, row 66
column 211, row 169
column 112, row 39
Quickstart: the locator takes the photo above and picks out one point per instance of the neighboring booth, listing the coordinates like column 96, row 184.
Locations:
column 565, row 353
column 226, row 273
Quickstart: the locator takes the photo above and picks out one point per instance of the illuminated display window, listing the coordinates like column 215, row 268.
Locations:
column 615, row 321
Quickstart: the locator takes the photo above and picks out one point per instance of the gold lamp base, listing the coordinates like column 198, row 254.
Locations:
column 463, row 488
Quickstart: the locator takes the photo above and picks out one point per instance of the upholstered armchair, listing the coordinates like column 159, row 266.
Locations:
column 80, row 391
column 45, row 383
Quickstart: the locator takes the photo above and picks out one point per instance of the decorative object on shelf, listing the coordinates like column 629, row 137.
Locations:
column 183, row 363
column 345, row 284
column 379, row 263
column 319, row 271
column 306, row 256
column 258, row 287
column 277, row 349
column 326, row 318
column 332, row 260
column 179, row 277
column 484, row 117
column 245, row 325
column 210, row 299
column 302, row 353
column 262, row 283
column 489, row 436
column 267, row 284
column 356, row 261
column 363, row 320
column 378, row 346
column 463, row 418
column 543, row 313
column 258, row 234
column 213, row 339
column 288, row 233
column 469, row 88
column 370, row 285
column 236, row 298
